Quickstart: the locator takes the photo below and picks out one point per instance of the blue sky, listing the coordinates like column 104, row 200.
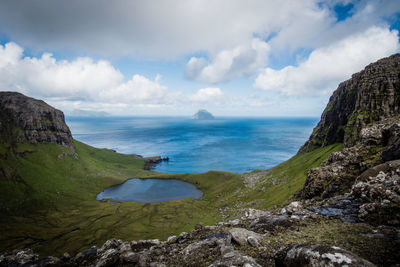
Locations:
column 172, row 57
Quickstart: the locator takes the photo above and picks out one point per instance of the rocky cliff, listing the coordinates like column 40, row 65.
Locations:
column 24, row 119
column 369, row 96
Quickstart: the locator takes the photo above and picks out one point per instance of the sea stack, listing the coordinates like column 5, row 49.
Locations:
column 203, row 114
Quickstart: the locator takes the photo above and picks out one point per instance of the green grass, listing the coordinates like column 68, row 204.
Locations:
column 279, row 183
column 48, row 204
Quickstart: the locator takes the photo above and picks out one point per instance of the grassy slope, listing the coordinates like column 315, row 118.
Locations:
column 277, row 184
column 51, row 203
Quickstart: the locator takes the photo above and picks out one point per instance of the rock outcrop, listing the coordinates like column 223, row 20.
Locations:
column 369, row 96
column 317, row 255
column 378, row 192
column 24, row 119
column 242, row 242
column 363, row 113
column 336, row 175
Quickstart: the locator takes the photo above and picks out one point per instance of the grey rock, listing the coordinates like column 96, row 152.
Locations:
column 130, row 257
column 378, row 189
column 252, row 214
column 369, row 96
column 24, row 119
column 235, row 259
column 125, row 247
column 252, row 241
column 241, row 235
column 391, row 138
column 110, row 244
column 171, row 239
column 318, row 256
column 270, row 224
column 338, row 173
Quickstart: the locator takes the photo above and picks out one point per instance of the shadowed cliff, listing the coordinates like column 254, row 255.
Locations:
column 369, row 96
column 24, row 119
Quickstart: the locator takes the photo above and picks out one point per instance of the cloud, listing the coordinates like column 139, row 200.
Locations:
column 159, row 29
column 326, row 67
column 207, row 95
column 139, row 89
column 82, row 79
column 228, row 64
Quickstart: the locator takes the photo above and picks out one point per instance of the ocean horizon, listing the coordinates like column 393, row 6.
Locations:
column 233, row 144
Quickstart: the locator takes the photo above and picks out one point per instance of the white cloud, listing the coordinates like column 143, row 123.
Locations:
column 137, row 90
column 228, row 64
column 235, row 38
column 158, row 29
column 208, row 95
column 81, row 79
column 327, row 66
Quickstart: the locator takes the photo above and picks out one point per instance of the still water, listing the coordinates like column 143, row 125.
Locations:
column 150, row 191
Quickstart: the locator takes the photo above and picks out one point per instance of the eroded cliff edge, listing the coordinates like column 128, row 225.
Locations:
column 371, row 95
column 25, row 119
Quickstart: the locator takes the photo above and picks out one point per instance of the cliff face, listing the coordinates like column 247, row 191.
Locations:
column 369, row 96
column 24, row 119
column 363, row 113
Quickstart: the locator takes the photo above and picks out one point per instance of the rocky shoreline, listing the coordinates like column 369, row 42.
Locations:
column 151, row 162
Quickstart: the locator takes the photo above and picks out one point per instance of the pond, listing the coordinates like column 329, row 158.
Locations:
column 150, row 191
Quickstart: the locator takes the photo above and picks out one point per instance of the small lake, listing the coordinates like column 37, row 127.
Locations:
column 150, row 191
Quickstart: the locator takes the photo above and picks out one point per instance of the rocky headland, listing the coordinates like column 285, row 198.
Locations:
column 346, row 214
column 25, row 119
column 370, row 96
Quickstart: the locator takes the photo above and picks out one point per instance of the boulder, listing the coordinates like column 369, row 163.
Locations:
column 241, row 236
column 311, row 255
column 378, row 189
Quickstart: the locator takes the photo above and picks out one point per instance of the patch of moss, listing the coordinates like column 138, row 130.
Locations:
column 358, row 238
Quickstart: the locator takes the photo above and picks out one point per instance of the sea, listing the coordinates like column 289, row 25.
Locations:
column 195, row 146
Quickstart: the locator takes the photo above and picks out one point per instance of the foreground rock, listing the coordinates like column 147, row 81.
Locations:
column 378, row 191
column 338, row 173
column 316, row 255
column 249, row 242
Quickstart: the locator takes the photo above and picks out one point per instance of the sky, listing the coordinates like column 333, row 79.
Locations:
column 280, row 58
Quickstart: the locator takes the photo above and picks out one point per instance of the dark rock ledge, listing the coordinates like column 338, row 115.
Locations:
column 151, row 162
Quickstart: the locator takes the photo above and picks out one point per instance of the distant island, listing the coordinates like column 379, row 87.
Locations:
column 89, row 113
column 203, row 114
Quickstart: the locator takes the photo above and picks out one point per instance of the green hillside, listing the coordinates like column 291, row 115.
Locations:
column 48, row 202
